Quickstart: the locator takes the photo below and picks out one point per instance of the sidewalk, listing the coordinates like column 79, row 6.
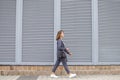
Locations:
column 81, row 77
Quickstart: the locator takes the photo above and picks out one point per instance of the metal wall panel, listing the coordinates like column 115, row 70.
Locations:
column 76, row 21
column 38, row 31
column 7, row 30
column 109, row 30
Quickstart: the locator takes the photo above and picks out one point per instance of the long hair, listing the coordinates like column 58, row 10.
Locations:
column 58, row 36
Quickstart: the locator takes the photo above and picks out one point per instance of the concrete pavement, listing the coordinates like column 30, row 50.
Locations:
column 79, row 77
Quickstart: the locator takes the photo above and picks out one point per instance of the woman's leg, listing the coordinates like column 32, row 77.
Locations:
column 64, row 62
column 55, row 66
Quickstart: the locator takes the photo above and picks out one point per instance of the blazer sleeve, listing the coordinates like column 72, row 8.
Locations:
column 67, row 51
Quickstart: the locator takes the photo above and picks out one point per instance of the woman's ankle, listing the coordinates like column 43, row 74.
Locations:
column 69, row 73
column 53, row 73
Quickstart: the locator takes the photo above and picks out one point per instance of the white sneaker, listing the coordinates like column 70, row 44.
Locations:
column 72, row 75
column 53, row 76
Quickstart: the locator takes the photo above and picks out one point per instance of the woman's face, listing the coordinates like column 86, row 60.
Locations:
column 62, row 34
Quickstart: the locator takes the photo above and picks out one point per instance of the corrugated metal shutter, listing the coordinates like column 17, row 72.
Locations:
column 38, row 31
column 7, row 30
column 76, row 20
column 109, row 30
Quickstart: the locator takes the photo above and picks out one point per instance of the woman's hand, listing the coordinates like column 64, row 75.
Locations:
column 70, row 54
column 67, row 49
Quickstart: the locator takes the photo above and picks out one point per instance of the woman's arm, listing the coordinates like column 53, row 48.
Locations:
column 59, row 46
column 67, row 51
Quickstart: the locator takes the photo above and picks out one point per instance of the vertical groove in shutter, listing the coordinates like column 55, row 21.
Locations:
column 109, row 30
column 38, row 31
column 7, row 30
column 76, row 20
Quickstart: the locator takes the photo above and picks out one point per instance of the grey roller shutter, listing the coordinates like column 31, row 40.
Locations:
column 38, row 31
column 109, row 30
column 76, row 21
column 7, row 30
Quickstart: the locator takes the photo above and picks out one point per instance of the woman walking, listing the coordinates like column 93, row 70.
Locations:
column 61, row 55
